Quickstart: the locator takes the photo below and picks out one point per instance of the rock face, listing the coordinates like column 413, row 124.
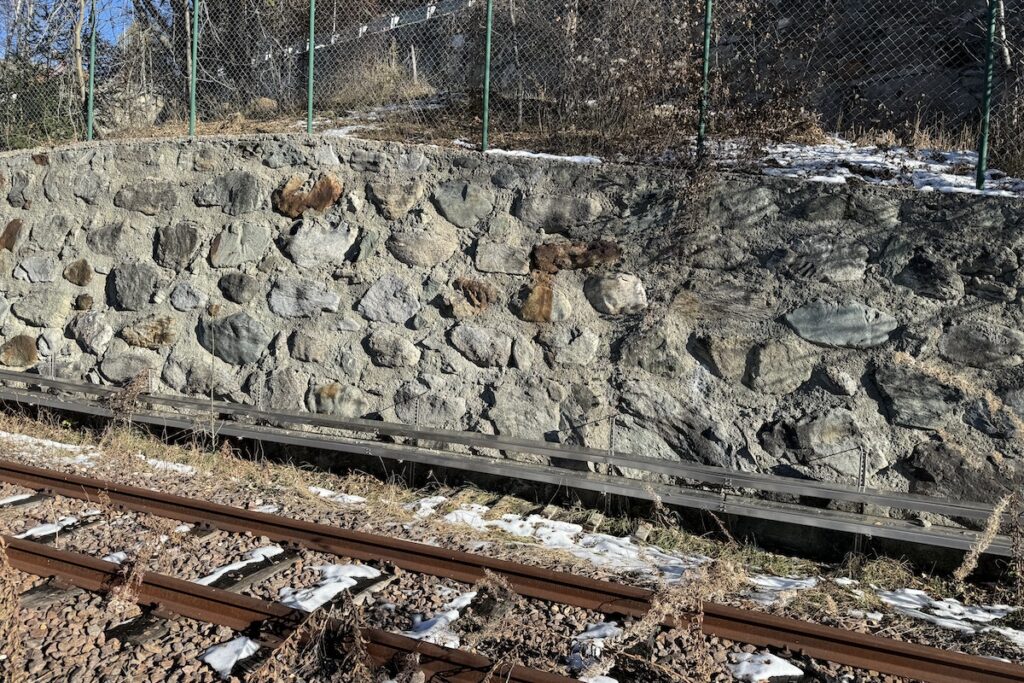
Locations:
column 237, row 339
column 617, row 294
column 536, row 299
column 852, row 325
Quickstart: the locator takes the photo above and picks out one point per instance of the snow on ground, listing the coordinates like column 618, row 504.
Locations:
column 15, row 498
column 769, row 589
column 252, row 557
column 222, row 658
column 117, row 558
column 425, row 507
column 587, row 646
column 840, row 162
column 952, row 614
column 437, row 629
column 55, row 527
column 169, row 466
column 333, row 496
column 334, row 578
column 543, row 155
column 32, row 448
column 757, row 667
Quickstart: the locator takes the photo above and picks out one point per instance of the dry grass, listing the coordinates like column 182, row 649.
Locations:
column 327, row 647
column 10, row 622
column 970, row 561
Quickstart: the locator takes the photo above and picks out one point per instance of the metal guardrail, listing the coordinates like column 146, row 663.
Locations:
column 203, row 418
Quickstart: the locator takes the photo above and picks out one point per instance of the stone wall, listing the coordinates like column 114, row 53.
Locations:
column 823, row 331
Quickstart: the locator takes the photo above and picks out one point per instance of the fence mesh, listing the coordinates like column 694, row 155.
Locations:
column 576, row 76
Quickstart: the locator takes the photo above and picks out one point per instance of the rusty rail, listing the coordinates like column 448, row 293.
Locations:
column 757, row 628
column 241, row 613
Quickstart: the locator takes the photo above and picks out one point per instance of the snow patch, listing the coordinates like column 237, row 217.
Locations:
column 334, row 578
column 166, row 466
column 771, row 589
column 117, row 558
column 334, row 497
column 947, row 613
column 15, row 498
column 254, row 556
column 755, row 668
column 222, row 658
column 437, row 630
column 54, row 527
column 425, row 507
column 542, row 155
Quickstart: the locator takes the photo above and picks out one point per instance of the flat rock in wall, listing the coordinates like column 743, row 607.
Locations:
column 121, row 364
column 496, row 257
column 43, row 308
column 389, row 299
column 79, row 272
column 822, row 257
column 92, row 332
column 424, row 244
column 237, row 339
column 37, row 268
column 19, row 352
column 395, row 198
column 984, row 345
column 131, row 286
column 150, row 196
column 914, row 398
column 616, row 294
column 391, row 350
column 850, row 325
column 153, row 332
column 243, row 241
column 431, row 401
column 292, row 200
column 343, row 400
column 555, row 214
column 176, row 244
column 462, row 203
column 525, row 411
column 186, row 297
column 780, row 366
column 933, row 277
column 725, row 356
column 293, row 298
column 659, row 351
column 240, row 288
column 317, row 243
column 236, row 192
column 484, row 347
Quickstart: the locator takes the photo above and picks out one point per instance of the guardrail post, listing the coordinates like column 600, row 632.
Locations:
column 194, row 70
column 485, row 138
column 986, row 97
column 702, row 120
column 309, row 75
column 90, row 108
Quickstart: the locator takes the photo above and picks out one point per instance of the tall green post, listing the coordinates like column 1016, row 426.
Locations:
column 986, row 98
column 702, row 120
column 485, row 141
column 194, row 71
column 309, row 76
column 90, row 108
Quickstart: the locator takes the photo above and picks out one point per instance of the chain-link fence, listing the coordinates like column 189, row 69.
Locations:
column 580, row 76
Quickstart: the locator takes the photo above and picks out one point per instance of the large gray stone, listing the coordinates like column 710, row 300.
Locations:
column 236, row 192
column 122, row 364
column 832, row 440
column 318, row 243
column 525, row 411
column 659, row 351
column 390, row 350
column 92, row 332
column 424, row 244
column 725, row 356
column 150, row 196
column 51, row 231
column 188, row 371
column 556, row 214
column 240, row 288
column 394, row 198
column 984, row 345
column 241, row 242
column 38, row 268
column 131, row 286
column 343, row 400
column 850, row 325
column 780, row 366
column 176, row 244
column 822, row 257
column 616, row 293
column 462, row 203
column 108, row 240
column 237, row 339
column 43, row 308
column 566, row 346
column 933, row 277
column 186, row 297
column 485, row 347
column 432, row 401
column 390, row 299
column 914, row 398
column 292, row 298
column 497, row 257
column 311, row 345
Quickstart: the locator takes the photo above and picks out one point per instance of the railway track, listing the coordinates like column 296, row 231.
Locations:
column 861, row 651
column 690, row 490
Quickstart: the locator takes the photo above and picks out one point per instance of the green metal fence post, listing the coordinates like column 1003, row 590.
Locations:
column 309, row 76
column 485, row 138
column 702, row 120
column 194, row 70
column 91, row 115
column 986, row 98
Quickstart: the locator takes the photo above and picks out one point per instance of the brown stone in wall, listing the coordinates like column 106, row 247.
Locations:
column 290, row 200
column 151, row 333
column 19, row 352
column 537, row 306
column 79, row 273
column 9, row 237
column 555, row 256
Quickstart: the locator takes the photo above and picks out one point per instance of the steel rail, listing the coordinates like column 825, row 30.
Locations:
column 832, row 520
column 707, row 474
column 823, row 642
column 241, row 613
